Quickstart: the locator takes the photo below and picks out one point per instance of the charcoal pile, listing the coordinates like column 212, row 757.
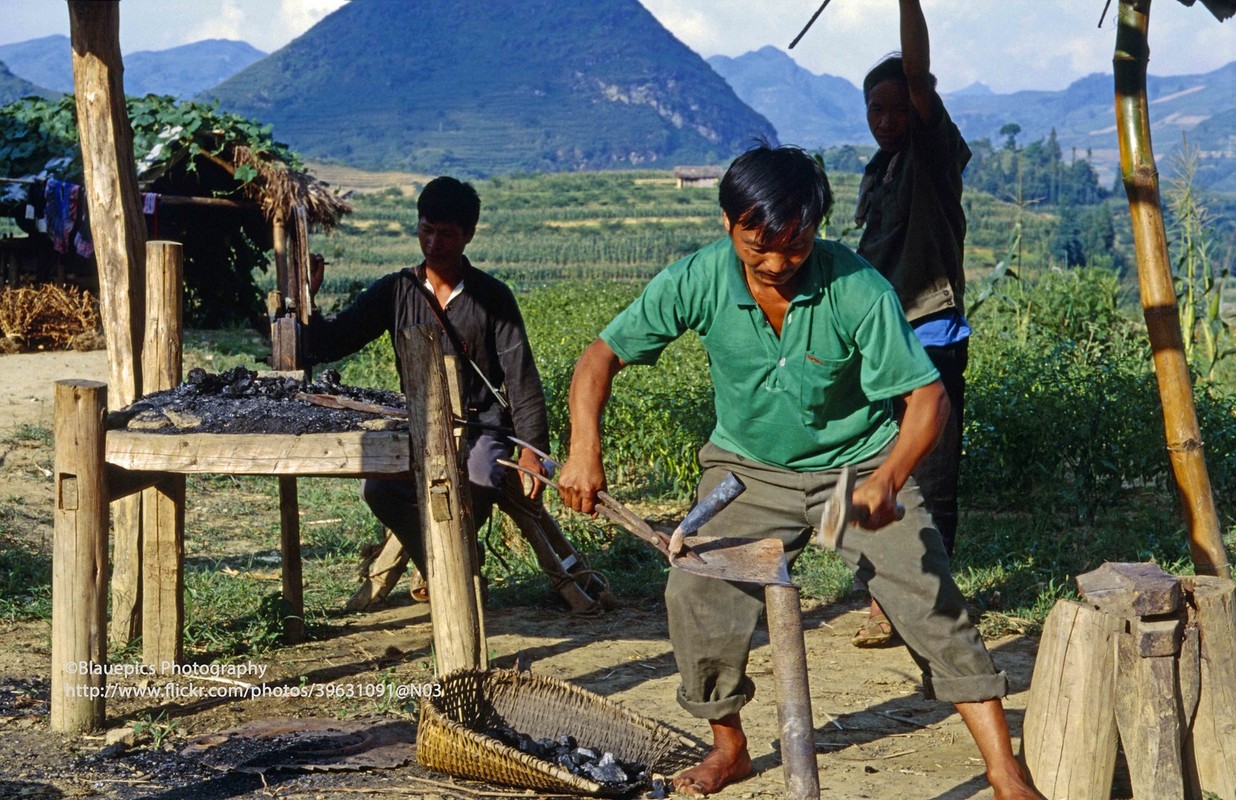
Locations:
column 241, row 401
column 615, row 775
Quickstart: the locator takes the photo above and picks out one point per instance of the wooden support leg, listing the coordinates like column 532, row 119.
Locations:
column 289, row 540
column 785, row 634
column 1148, row 717
column 446, row 517
column 79, row 559
column 1069, row 734
column 162, row 528
column 126, row 619
column 163, row 572
column 1211, row 743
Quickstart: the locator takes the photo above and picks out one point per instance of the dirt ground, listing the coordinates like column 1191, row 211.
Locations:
column 875, row 735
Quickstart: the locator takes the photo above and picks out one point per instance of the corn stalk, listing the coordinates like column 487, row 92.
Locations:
column 1141, row 184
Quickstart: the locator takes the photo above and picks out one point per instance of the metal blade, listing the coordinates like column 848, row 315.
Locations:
column 729, row 558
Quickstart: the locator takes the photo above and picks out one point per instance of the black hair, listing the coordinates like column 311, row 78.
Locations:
column 449, row 199
column 780, row 191
column 890, row 68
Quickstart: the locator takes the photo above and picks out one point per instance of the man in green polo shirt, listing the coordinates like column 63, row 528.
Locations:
column 808, row 347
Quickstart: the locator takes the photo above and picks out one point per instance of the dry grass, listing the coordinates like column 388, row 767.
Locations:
column 48, row 317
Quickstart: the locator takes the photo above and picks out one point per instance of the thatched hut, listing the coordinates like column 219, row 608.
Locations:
column 216, row 183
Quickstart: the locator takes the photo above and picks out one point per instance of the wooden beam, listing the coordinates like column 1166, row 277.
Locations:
column 118, row 230
column 117, row 226
column 289, row 549
column 1158, row 291
column 352, row 454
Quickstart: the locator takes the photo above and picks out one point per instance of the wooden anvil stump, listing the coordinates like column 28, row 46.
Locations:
column 1148, row 660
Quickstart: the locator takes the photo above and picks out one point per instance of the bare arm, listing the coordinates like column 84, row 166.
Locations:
column 927, row 409
column 916, row 58
column 583, row 475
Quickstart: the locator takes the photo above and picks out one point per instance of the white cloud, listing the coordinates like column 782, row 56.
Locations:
column 297, row 16
column 228, row 22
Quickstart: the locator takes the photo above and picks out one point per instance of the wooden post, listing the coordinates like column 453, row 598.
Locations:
column 1148, row 718
column 119, row 233
column 163, row 505
column 79, row 559
column 1069, row 732
column 289, row 549
column 446, row 514
column 785, row 637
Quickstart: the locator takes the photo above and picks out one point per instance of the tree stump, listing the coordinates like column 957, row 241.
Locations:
column 1152, row 658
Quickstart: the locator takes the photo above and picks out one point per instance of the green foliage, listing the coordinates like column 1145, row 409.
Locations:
column 157, row 728
column 25, row 576
column 1062, row 406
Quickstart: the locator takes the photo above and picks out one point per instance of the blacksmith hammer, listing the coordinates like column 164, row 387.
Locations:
column 839, row 511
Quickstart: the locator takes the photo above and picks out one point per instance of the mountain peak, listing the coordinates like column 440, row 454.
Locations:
column 483, row 88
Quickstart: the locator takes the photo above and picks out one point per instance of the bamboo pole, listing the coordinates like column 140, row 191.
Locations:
column 1141, row 184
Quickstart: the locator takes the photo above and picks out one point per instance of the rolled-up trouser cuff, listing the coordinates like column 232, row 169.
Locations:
column 968, row 689
column 716, row 709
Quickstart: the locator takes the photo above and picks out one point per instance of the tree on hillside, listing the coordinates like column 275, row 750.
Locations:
column 1035, row 173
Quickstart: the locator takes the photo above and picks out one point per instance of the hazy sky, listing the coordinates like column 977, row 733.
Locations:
column 1006, row 44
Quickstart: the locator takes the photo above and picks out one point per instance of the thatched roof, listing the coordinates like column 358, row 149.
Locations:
column 277, row 188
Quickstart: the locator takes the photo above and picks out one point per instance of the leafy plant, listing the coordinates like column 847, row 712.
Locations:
column 158, row 728
column 1200, row 281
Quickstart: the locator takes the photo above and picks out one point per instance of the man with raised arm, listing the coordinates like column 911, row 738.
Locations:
column 808, row 348
column 914, row 229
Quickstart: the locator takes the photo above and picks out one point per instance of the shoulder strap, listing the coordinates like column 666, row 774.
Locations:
column 454, row 337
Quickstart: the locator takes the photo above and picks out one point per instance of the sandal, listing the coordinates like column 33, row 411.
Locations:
column 877, row 631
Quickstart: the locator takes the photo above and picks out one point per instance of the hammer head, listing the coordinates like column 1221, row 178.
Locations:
column 838, row 510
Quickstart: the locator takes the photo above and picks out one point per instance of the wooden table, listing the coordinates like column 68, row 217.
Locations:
column 95, row 466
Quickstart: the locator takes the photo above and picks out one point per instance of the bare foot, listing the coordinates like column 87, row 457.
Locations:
column 1013, row 787
column 728, row 761
column 716, row 771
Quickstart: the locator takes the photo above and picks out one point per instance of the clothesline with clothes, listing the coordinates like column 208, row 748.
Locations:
column 58, row 209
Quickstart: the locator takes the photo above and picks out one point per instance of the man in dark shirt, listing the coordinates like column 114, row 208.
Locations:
column 501, row 392
column 914, row 230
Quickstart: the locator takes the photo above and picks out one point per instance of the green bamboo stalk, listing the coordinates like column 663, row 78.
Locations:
column 1141, row 184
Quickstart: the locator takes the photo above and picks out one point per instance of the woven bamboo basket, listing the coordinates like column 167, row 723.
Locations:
column 452, row 737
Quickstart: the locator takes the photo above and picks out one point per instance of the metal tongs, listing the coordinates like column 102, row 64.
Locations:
column 735, row 559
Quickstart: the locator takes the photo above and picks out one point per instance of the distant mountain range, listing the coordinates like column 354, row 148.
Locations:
column 180, row 71
column 14, row 88
column 485, row 88
column 820, row 111
column 492, row 88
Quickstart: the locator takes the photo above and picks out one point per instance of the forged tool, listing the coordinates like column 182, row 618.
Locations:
column 840, row 511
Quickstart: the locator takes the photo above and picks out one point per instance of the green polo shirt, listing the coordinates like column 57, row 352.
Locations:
column 817, row 397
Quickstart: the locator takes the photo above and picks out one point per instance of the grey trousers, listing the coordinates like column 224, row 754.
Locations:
column 394, row 502
column 904, row 565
